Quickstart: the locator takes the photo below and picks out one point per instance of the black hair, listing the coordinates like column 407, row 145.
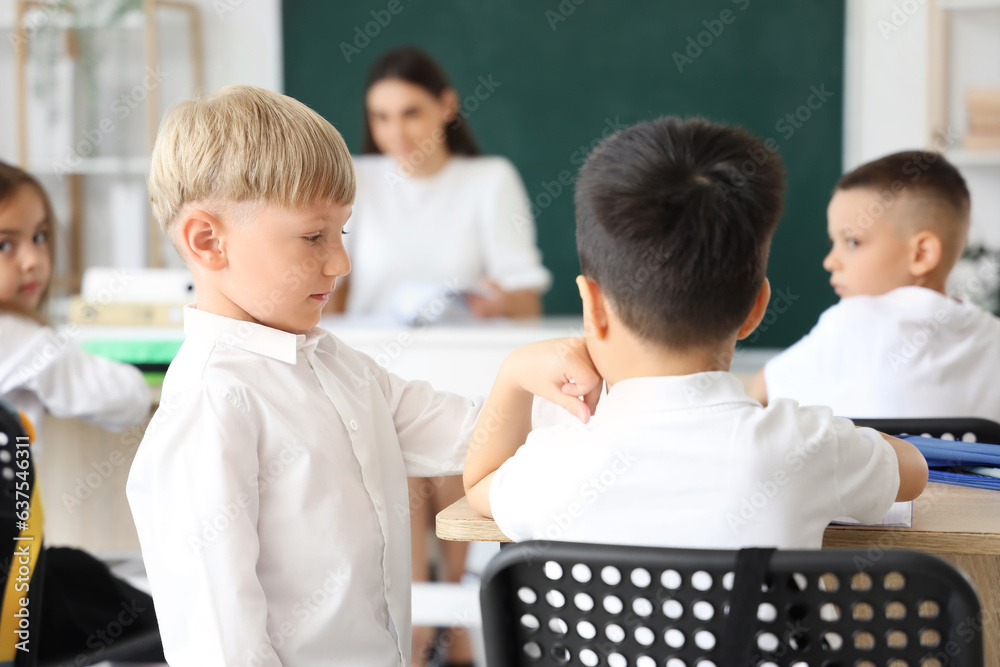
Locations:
column 674, row 223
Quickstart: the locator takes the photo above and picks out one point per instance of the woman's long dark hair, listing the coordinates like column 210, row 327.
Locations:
column 414, row 66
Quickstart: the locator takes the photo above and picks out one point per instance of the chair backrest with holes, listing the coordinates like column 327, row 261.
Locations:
column 970, row 429
column 563, row 603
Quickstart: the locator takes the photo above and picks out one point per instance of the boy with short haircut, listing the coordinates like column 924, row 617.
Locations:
column 677, row 454
column 269, row 492
column 896, row 345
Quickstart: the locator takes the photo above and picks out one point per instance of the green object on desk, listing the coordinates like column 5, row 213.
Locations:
column 151, row 356
column 154, row 378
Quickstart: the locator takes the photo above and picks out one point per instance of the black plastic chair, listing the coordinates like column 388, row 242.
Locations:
column 948, row 428
column 562, row 603
column 19, row 531
column 21, row 524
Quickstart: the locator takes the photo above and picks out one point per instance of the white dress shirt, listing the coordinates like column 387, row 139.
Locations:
column 692, row 461
column 44, row 370
column 270, row 497
column 469, row 221
column 911, row 352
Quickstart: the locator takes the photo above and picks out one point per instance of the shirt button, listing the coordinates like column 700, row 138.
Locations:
column 354, row 425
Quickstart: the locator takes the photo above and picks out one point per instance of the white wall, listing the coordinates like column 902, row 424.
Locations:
column 243, row 43
column 886, row 106
column 886, row 82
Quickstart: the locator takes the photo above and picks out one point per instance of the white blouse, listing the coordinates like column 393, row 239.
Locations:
column 44, row 370
column 270, row 497
column 469, row 221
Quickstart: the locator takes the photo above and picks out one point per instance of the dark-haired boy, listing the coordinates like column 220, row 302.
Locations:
column 896, row 345
column 676, row 453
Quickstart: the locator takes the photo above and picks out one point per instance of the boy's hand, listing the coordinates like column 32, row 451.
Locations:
column 560, row 371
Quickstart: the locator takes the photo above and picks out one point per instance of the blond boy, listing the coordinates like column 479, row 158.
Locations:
column 896, row 345
column 269, row 491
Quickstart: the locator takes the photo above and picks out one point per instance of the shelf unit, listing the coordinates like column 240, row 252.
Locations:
column 981, row 167
column 145, row 18
column 939, row 84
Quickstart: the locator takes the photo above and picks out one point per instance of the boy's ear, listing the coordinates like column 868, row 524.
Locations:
column 925, row 253
column 595, row 309
column 757, row 312
column 201, row 238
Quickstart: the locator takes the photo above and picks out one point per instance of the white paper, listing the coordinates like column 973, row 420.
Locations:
column 900, row 514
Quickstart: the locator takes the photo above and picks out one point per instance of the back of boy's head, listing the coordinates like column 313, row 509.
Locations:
column 246, row 145
column 674, row 223
column 937, row 195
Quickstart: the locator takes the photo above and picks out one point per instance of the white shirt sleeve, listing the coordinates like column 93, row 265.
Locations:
column 532, row 489
column 867, row 472
column 194, row 497
column 807, row 365
column 509, row 244
column 68, row 381
column 433, row 427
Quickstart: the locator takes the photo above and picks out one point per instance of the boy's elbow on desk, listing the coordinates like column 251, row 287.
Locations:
column 912, row 469
column 478, row 495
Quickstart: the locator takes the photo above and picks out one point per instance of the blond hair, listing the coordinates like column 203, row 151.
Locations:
column 246, row 145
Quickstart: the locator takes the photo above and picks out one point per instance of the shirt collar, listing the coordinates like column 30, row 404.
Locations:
column 249, row 336
column 672, row 392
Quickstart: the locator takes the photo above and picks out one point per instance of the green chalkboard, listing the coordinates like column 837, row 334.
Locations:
column 563, row 73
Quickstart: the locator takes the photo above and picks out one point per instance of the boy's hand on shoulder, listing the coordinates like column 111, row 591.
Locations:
column 560, row 371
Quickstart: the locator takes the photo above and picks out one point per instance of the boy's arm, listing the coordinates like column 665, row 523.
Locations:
column 912, row 468
column 432, row 427
column 193, row 494
column 558, row 370
column 758, row 388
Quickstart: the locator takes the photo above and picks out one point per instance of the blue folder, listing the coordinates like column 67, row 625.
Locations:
column 949, row 460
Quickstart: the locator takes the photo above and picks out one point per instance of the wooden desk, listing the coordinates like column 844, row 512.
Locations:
column 958, row 523
column 460, row 523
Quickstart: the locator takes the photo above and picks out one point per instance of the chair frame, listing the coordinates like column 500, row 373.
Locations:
column 983, row 429
column 802, row 588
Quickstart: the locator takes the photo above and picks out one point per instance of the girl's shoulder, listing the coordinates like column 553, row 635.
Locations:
column 19, row 325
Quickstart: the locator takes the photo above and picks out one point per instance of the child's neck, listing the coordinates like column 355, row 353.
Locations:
column 934, row 282
column 430, row 164
column 633, row 360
